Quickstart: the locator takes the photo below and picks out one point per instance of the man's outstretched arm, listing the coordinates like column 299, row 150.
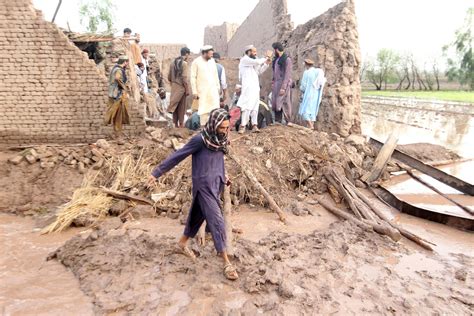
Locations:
column 174, row 159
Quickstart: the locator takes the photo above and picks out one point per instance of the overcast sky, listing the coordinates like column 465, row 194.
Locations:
column 418, row 26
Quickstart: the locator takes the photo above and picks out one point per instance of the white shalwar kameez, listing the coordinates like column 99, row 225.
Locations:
column 205, row 83
column 249, row 70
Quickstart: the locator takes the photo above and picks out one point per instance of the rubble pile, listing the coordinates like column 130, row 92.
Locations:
column 287, row 160
column 82, row 157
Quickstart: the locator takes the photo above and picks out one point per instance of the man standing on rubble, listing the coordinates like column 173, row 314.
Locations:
column 311, row 87
column 135, row 48
column 180, row 89
column 249, row 69
column 208, row 173
column 281, row 84
column 222, row 77
column 205, row 83
column 117, row 111
column 144, row 76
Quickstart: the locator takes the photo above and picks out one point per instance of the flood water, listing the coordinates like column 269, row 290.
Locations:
column 30, row 285
column 450, row 125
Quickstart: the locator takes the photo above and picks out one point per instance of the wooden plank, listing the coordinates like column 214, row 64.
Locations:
column 382, row 159
column 435, row 173
column 419, row 179
column 127, row 196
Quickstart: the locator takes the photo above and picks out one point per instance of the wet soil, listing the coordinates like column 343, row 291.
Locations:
column 336, row 268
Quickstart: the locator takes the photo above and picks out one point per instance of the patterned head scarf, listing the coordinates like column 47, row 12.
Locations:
column 209, row 133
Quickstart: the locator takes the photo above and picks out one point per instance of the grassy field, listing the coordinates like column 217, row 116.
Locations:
column 460, row 96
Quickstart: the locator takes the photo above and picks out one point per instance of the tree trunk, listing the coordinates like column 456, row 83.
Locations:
column 399, row 87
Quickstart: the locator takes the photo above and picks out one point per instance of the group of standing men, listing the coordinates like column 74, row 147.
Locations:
column 207, row 84
column 205, row 81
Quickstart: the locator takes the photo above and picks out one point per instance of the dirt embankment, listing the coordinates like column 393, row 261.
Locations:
column 343, row 270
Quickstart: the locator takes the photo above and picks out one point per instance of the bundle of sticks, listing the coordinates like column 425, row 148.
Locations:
column 365, row 212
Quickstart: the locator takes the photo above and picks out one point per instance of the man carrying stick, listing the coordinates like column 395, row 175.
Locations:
column 207, row 149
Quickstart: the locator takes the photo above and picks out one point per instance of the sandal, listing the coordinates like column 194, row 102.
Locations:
column 241, row 130
column 230, row 272
column 255, row 129
column 187, row 252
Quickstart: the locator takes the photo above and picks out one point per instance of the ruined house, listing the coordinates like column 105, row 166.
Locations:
column 330, row 39
column 220, row 36
column 50, row 91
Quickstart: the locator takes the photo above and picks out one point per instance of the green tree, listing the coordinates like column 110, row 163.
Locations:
column 97, row 15
column 382, row 70
column 461, row 66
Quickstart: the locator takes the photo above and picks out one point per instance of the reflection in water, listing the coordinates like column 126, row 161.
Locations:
column 445, row 127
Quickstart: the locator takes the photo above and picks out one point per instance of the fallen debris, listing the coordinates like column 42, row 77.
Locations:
column 382, row 159
column 249, row 174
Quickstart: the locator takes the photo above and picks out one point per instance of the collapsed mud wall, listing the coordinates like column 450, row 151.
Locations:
column 268, row 21
column 332, row 41
column 163, row 51
column 219, row 36
column 49, row 90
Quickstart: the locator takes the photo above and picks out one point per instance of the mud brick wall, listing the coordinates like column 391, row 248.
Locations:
column 265, row 25
column 163, row 52
column 49, row 90
column 219, row 36
column 332, row 41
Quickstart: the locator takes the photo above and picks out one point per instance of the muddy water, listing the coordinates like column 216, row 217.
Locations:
column 409, row 190
column 450, row 125
column 30, row 285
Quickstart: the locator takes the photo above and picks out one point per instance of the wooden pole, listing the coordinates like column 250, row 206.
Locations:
column 366, row 225
column 227, row 220
column 246, row 170
column 419, row 179
column 127, row 196
column 420, row 241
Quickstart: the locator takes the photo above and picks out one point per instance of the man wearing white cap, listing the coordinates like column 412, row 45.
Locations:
column 205, row 83
column 250, row 68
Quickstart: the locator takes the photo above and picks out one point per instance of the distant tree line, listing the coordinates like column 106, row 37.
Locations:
column 391, row 67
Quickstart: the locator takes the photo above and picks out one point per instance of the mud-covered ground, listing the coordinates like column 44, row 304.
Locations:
column 315, row 265
column 342, row 269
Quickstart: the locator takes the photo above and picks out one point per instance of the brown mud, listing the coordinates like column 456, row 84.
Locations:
column 341, row 270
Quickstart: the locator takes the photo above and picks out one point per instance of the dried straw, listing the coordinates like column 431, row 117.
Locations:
column 86, row 201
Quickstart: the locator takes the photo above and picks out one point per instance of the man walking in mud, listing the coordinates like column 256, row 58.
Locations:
column 208, row 173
